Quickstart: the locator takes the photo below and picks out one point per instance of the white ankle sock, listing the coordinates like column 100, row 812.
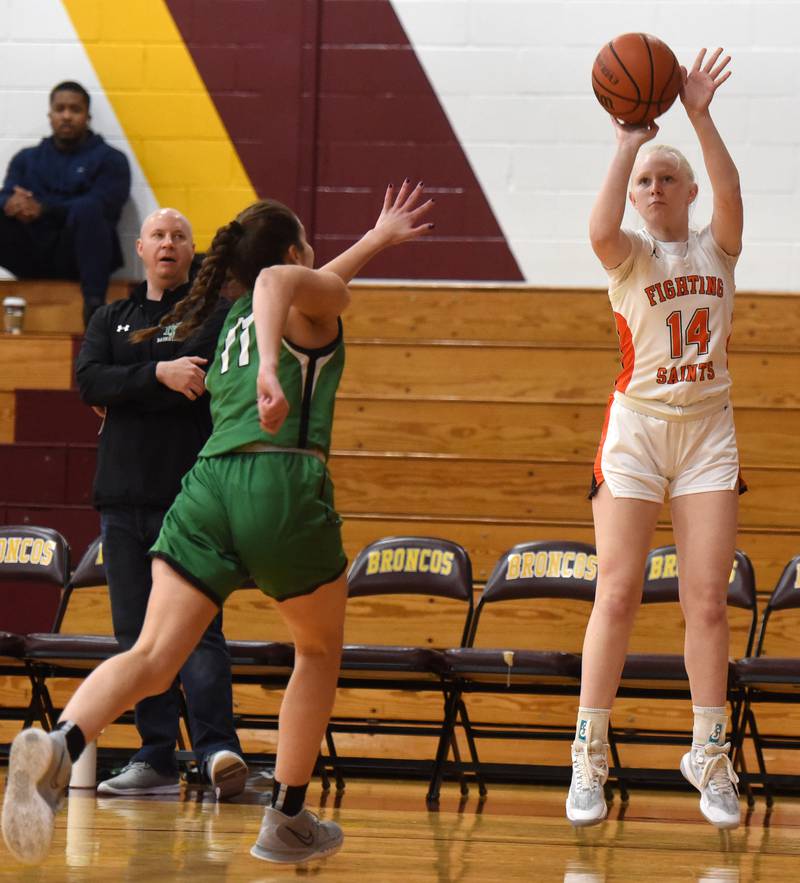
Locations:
column 598, row 718
column 709, row 724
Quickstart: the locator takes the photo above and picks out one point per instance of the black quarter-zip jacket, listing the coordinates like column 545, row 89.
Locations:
column 152, row 434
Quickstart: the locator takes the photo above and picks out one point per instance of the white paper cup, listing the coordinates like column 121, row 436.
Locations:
column 84, row 770
column 13, row 314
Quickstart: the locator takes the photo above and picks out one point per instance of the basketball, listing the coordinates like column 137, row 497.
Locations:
column 636, row 78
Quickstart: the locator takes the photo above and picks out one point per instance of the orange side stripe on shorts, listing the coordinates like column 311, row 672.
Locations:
column 627, row 352
column 598, row 472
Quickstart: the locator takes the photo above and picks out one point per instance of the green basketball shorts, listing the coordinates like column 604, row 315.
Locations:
column 268, row 517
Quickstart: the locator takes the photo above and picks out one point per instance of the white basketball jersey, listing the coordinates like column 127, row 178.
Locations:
column 673, row 305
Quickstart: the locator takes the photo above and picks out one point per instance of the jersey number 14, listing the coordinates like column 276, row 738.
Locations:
column 697, row 332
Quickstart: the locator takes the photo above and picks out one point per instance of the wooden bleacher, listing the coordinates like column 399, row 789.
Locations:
column 468, row 413
column 55, row 306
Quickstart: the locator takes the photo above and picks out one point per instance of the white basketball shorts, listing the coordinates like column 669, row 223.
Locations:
column 642, row 456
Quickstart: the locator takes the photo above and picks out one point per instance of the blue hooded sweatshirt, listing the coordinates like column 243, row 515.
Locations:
column 59, row 178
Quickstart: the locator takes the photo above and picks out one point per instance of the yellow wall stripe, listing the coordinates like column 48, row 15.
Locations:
column 164, row 109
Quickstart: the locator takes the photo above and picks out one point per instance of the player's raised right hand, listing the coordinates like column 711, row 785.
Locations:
column 402, row 217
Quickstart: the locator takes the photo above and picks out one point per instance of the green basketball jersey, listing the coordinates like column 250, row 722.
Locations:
column 309, row 378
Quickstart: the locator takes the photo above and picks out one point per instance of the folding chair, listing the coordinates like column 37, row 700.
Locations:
column 774, row 679
column 661, row 673
column 420, row 590
column 29, row 554
column 516, row 604
column 55, row 654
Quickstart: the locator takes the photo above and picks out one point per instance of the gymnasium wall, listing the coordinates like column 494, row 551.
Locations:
column 321, row 102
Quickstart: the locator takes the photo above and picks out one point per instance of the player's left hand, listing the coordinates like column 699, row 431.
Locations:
column 402, row 217
column 703, row 80
column 272, row 405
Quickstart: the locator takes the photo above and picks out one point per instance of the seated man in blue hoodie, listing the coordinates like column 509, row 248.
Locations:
column 61, row 202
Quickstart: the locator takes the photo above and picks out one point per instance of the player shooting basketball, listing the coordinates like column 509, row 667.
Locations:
column 669, row 427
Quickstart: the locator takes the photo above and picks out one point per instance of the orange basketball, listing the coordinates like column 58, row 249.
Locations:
column 636, row 78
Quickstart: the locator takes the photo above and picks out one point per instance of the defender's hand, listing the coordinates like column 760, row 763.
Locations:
column 272, row 405
column 401, row 218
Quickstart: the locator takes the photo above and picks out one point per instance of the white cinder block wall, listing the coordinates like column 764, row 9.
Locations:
column 39, row 49
column 514, row 79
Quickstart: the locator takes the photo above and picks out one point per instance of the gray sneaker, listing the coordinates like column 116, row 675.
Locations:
column 292, row 840
column 38, row 775
column 139, row 777
column 227, row 773
column 708, row 767
column 586, row 801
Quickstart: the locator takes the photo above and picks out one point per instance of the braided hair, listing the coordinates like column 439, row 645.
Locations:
column 258, row 237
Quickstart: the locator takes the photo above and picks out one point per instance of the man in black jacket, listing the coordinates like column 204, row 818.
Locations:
column 156, row 418
column 61, row 202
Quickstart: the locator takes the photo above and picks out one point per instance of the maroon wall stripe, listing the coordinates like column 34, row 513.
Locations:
column 426, row 260
column 355, row 22
column 326, row 102
column 350, row 70
column 380, row 119
column 250, row 54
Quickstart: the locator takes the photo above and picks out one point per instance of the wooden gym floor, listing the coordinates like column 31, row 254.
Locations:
column 519, row 834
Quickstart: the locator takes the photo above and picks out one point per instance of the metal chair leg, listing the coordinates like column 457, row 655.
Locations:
column 762, row 766
column 462, row 779
column 323, row 773
column 184, row 716
column 36, row 708
column 473, row 748
column 443, row 748
column 334, row 760
column 612, row 746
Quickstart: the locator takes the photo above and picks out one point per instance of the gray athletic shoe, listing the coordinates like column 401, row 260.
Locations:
column 586, row 801
column 227, row 773
column 137, row 778
column 292, row 840
column 708, row 767
column 38, row 775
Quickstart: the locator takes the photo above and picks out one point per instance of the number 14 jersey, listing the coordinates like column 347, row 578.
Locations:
column 309, row 379
column 673, row 307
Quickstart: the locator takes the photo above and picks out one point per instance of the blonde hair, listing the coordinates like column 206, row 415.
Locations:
column 679, row 158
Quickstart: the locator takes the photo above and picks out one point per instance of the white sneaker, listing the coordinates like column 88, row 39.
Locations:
column 227, row 773
column 38, row 774
column 586, row 801
column 708, row 767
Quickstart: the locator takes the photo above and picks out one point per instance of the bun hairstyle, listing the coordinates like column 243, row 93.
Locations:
column 258, row 237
